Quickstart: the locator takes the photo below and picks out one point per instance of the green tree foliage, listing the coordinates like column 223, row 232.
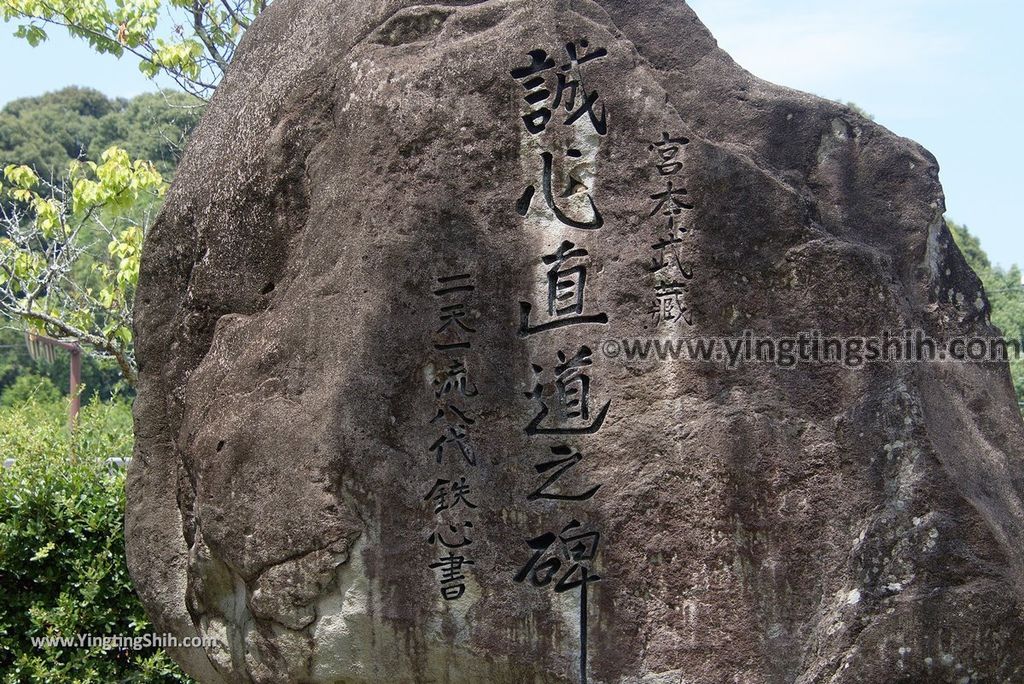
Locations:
column 53, row 279
column 189, row 41
column 29, row 387
column 90, row 258
column 62, row 562
column 52, row 276
column 1005, row 291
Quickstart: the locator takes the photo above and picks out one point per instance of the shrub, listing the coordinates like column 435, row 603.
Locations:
column 62, row 564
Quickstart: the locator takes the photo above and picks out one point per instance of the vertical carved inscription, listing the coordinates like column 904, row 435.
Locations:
column 562, row 399
column 449, row 498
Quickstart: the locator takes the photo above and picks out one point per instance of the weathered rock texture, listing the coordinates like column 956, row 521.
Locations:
column 820, row 524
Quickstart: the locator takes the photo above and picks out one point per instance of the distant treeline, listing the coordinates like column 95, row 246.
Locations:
column 49, row 131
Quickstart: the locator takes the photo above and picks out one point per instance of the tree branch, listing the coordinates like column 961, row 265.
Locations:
column 73, row 334
column 234, row 15
column 192, row 86
column 198, row 12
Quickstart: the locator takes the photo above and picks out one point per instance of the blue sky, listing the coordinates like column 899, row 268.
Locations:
column 943, row 72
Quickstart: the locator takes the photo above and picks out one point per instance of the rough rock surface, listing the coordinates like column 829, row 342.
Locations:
column 299, row 395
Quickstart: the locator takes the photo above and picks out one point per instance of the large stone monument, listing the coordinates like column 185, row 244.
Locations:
column 386, row 428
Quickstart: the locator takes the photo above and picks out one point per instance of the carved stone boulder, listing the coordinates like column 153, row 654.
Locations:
column 389, row 427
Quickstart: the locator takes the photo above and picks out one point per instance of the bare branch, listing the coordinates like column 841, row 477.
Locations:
column 198, row 13
column 234, row 15
column 72, row 334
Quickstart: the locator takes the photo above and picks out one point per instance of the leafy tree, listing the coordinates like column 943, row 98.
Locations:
column 190, row 41
column 970, row 245
column 46, row 243
column 52, row 277
column 152, row 126
column 80, row 124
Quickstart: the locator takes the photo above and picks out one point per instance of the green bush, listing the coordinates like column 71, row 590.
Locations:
column 62, row 564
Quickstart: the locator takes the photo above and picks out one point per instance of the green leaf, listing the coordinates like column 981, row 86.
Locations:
column 21, row 176
column 33, row 34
